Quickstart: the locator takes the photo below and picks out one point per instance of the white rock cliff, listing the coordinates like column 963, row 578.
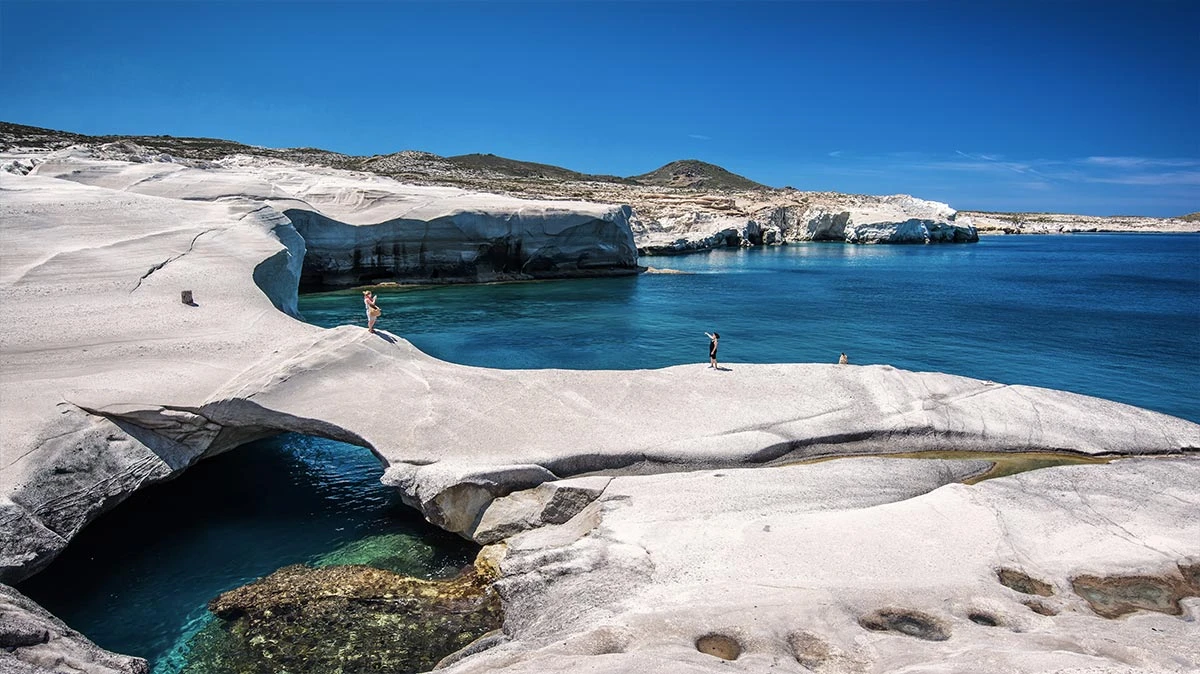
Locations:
column 359, row 228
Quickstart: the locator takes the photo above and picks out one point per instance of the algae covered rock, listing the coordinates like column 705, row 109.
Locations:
column 345, row 619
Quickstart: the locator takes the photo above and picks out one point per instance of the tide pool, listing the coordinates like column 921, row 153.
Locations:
column 1109, row 315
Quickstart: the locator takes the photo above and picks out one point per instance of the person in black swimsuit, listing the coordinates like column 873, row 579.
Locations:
column 712, row 349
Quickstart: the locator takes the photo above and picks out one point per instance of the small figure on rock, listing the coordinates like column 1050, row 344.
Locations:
column 712, row 349
column 373, row 310
column 843, row 360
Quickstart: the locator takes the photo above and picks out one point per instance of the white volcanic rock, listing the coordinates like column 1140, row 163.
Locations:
column 90, row 283
column 1066, row 223
column 859, row 565
column 783, row 217
column 361, row 228
column 109, row 383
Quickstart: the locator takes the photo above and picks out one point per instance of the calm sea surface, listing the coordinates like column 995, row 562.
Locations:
column 1116, row 316
column 1109, row 315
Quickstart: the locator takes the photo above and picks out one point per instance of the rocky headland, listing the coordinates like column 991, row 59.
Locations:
column 655, row 520
column 684, row 206
column 351, row 228
column 1065, row 223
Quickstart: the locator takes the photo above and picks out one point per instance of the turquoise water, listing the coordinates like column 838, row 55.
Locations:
column 137, row 580
column 1115, row 316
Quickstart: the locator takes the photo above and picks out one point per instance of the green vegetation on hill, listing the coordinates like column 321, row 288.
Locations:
column 209, row 149
column 19, row 135
column 1191, row 217
column 693, row 173
column 524, row 169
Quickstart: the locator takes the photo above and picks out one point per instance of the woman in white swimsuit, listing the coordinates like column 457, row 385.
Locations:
column 373, row 310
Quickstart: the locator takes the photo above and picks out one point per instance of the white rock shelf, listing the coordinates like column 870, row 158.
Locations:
column 653, row 519
column 690, row 225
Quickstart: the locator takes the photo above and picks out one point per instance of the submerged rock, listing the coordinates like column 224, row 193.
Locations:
column 345, row 619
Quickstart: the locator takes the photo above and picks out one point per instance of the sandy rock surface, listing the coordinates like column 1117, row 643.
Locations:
column 108, row 382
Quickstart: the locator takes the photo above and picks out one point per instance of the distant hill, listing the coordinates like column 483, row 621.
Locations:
column 513, row 167
column 525, row 169
column 32, row 136
column 687, row 173
column 20, row 135
column 693, row 173
column 1191, row 217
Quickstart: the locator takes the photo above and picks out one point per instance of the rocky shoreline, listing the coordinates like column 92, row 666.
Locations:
column 682, row 207
column 1062, row 223
column 653, row 520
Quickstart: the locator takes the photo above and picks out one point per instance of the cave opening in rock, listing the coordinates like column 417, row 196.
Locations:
column 138, row 579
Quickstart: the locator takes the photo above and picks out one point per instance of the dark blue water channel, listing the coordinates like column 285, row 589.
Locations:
column 1110, row 315
column 1116, row 316
column 137, row 580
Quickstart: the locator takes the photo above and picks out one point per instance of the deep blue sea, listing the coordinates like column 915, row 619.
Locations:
column 1109, row 315
column 1115, row 316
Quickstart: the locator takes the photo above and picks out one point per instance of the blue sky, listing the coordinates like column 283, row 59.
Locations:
column 1086, row 107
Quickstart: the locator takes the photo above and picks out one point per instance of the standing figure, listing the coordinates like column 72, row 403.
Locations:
column 712, row 349
column 373, row 310
column 843, row 360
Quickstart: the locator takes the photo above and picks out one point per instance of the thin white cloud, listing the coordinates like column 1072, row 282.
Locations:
column 987, row 162
column 1036, row 185
column 1148, row 175
column 698, row 136
column 1163, row 178
column 1141, row 171
column 1086, row 183
column 1139, row 162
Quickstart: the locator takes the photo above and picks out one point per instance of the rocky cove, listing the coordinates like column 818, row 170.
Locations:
column 634, row 522
column 456, row 220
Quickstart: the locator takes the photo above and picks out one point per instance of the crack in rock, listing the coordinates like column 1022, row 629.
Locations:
column 169, row 260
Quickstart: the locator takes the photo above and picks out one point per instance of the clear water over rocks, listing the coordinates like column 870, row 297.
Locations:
column 1110, row 315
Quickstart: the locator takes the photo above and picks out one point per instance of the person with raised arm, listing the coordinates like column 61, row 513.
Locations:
column 712, row 349
column 373, row 310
